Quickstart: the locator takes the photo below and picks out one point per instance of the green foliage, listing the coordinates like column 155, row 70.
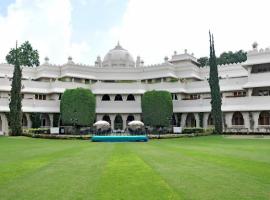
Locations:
column 192, row 130
column 15, row 104
column 204, row 61
column 26, row 55
column 226, row 58
column 157, row 108
column 215, row 90
column 78, row 107
column 36, row 120
column 56, row 118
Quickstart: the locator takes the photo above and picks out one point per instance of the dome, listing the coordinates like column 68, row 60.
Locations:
column 118, row 57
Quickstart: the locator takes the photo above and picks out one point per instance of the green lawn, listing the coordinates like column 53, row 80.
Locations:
column 188, row 168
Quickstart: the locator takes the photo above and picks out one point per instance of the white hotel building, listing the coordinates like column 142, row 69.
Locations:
column 119, row 81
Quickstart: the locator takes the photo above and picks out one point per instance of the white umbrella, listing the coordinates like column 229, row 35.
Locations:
column 102, row 124
column 136, row 124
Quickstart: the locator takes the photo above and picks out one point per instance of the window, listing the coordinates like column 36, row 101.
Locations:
column 237, row 119
column 174, row 96
column 239, row 94
column 118, row 97
column 105, row 97
column 264, row 118
column 190, row 120
column 40, row 96
column 130, row 97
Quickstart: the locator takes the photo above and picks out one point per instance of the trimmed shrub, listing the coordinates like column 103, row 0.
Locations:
column 78, row 107
column 192, row 130
column 157, row 108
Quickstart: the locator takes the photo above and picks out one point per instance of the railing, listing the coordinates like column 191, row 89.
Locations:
column 118, row 107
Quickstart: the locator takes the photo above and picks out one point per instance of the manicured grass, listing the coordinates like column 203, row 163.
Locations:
column 188, row 168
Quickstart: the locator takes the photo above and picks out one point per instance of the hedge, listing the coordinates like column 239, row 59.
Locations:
column 157, row 108
column 78, row 107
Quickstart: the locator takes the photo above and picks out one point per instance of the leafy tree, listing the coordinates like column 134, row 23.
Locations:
column 15, row 104
column 226, row 58
column 78, row 107
column 204, row 61
column 215, row 90
column 26, row 55
column 157, row 108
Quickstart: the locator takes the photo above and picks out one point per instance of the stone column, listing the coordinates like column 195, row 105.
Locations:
column 112, row 117
column 29, row 122
column 124, row 118
column 197, row 118
column 205, row 119
column 183, row 120
column 228, row 119
column 51, row 119
column 255, row 116
column 99, row 117
column 246, row 120
column 4, row 124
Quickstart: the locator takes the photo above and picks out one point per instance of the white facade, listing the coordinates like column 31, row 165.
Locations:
column 118, row 81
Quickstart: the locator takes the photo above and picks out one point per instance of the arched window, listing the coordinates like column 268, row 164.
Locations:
column 130, row 97
column 118, row 122
column 190, row 121
column 130, row 118
column 24, row 121
column 105, row 97
column 210, row 121
column 264, row 118
column 45, row 120
column 1, row 124
column 118, row 97
column 106, row 118
column 237, row 118
column 173, row 121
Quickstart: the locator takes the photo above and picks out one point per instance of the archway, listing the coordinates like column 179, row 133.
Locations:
column 173, row 121
column 118, row 97
column 105, row 97
column 237, row 118
column 45, row 120
column 24, row 121
column 107, row 118
column 264, row 118
column 118, row 122
column 1, row 124
column 210, row 120
column 190, row 120
column 130, row 97
column 130, row 118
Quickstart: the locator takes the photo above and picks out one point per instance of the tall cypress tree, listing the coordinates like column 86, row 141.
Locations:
column 215, row 90
column 15, row 104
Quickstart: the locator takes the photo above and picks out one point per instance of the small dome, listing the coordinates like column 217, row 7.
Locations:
column 118, row 57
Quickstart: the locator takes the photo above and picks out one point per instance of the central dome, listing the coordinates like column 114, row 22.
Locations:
column 118, row 57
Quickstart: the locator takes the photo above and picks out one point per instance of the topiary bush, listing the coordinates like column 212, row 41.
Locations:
column 78, row 108
column 157, row 108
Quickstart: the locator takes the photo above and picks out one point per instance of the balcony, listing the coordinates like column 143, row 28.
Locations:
column 30, row 105
column 118, row 107
column 252, row 103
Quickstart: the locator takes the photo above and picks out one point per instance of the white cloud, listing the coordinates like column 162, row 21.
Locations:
column 153, row 29
column 46, row 24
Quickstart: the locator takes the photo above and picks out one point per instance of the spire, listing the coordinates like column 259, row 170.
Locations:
column 118, row 46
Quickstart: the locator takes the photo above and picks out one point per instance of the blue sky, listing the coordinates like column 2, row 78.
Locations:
column 151, row 29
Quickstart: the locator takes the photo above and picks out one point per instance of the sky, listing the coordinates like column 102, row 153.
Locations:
column 151, row 29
